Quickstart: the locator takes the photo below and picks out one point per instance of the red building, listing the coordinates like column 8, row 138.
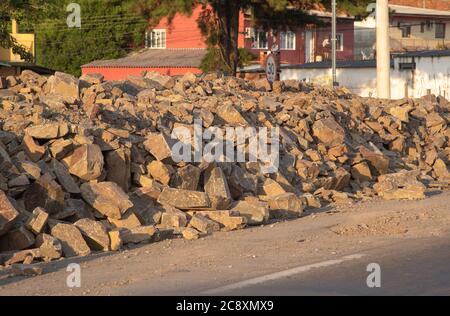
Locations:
column 179, row 48
column 305, row 44
column 424, row 4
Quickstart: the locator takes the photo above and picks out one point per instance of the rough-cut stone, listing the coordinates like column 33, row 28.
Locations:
column 26, row 270
column 329, row 132
column 30, row 169
column 61, row 148
column 118, row 165
column 441, row 170
column 65, row 85
column 17, row 239
column 187, row 178
column 228, row 220
column 184, row 199
column 190, row 233
column 361, row 172
column 376, row 158
column 48, row 131
column 272, row 188
column 166, row 82
column 94, row 233
column 204, row 224
column 45, row 193
column 7, row 214
column 50, row 248
column 231, row 115
column 107, row 198
column 216, row 187
column 33, row 150
column 401, row 112
column 116, row 240
column 159, row 146
column 334, row 148
column 256, row 212
column 86, row 162
column 37, row 221
column 129, row 220
column 23, row 256
column 160, row 172
column 138, row 234
column 72, row 241
column 286, row 205
column 64, row 177
column 173, row 218
column 19, row 181
column 92, row 78
column 399, row 186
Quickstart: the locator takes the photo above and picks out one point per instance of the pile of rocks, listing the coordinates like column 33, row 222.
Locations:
column 86, row 165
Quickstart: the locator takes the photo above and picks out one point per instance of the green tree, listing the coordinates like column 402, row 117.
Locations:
column 219, row 19
column 109, row 29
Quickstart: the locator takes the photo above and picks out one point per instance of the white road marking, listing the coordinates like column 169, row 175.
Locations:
column 281, row 274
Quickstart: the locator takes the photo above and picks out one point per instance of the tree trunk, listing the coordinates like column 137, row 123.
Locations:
column 228, row 16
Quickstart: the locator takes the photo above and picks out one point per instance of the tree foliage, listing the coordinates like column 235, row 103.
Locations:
column 212, row 62
column 109, row 29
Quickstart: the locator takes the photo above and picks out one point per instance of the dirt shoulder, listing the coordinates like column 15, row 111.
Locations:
column 190, row 267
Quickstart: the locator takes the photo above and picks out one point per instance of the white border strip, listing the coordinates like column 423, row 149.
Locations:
column 281, row 274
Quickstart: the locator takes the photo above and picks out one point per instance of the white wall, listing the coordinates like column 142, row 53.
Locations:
column 361, row 81
column 431, row 73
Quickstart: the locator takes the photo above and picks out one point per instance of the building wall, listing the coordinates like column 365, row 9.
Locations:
column 365, row 35
column 345, row 27
column 427, row 4
column 121, row 73
column 297, row 56
column 184, row 32
column 432, row 74
column 27, row 40
column 418, row 40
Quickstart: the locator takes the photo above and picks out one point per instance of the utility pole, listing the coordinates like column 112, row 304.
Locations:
column 383, row 50
column 333, row 45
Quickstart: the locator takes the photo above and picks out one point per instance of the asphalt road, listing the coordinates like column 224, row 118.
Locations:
column 323, row 253
column 412, row 268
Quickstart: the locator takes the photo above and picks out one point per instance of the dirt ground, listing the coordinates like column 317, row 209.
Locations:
column 189, row 267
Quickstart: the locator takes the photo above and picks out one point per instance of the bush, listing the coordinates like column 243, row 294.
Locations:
column 213, row 62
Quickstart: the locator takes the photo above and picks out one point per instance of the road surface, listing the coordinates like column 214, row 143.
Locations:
column 325, row 252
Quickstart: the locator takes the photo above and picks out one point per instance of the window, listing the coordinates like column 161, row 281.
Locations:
column 156, row 39
column 287, row 40
column 406, row 31
column 340, row 42
column 260, row 40
column 440, row 30
column 249, row 32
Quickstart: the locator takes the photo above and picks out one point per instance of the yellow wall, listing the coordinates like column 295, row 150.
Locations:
column 425, row 40
column 27, row 40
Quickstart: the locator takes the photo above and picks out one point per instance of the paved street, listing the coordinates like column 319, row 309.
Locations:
column 413, row 268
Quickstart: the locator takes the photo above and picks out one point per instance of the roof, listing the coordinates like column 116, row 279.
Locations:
column 425, row 53
column 371, row 63
column 339, row 64
column 161, row 58
column 26, row 65
column 406, row 10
